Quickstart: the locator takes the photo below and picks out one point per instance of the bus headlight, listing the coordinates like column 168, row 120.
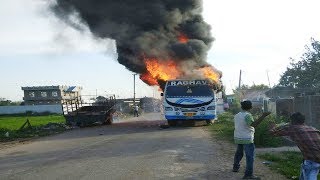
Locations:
column 211, row 108
column 168, row 108
column 202, row 109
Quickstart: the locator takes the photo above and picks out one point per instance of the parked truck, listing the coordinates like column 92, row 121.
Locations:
column 80, row 113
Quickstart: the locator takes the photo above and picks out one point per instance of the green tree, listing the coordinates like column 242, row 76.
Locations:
column 253, row 87
column 235, row 107
column 5, row 102
column 306, row 72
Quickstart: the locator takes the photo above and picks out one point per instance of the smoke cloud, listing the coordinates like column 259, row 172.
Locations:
column 144, row 28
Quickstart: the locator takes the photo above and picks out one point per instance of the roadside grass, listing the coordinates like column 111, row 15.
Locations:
column 224, row 128
column 287, row 163
column 15, row 122
column 10, row 125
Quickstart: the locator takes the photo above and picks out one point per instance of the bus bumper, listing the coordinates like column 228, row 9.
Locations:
column 200, row 118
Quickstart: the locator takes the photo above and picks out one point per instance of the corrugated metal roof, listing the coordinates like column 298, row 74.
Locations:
column 71, row 89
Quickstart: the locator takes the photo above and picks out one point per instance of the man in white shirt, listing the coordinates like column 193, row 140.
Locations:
column 244, row 125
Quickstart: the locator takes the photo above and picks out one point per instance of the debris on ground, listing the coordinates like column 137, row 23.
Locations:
column 267, row 162
column 53, row 126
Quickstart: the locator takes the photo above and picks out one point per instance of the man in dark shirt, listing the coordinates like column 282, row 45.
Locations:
column 307, row 139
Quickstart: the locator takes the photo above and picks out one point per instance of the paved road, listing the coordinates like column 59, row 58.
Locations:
column 133, row 149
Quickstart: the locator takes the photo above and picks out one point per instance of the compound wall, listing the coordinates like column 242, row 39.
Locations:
column 31, row 108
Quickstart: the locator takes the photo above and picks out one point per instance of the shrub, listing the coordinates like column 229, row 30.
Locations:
column 262, row 136
column 235, row 107
column 224, row 128
column 226, row 116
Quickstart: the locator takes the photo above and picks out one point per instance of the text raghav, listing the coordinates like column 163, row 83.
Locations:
column 184, row 83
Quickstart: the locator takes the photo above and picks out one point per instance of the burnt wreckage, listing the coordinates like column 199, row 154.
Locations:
column 82, row 114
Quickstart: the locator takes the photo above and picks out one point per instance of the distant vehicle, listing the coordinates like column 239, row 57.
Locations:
column 189, row 100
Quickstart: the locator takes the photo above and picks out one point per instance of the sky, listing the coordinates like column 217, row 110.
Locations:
column 256, row 37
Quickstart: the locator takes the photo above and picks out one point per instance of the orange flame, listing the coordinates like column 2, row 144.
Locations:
column 210, row 73
column 149, row 79
column 159, row 70
column 183, row 38
column 165, row 70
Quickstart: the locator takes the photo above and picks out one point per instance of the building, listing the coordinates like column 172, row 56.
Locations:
column 48, row 95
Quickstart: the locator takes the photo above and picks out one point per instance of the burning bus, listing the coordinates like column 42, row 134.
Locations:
column 163, row 42
column 187, row 95
column 189, row 100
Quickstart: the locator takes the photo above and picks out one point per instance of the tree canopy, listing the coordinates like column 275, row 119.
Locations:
column 253, row 87
column 306, row 72
column 5, row 102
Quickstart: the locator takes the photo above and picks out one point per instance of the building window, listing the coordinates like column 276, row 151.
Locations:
column 31, row 94
column 43, row 94
column 54, row 94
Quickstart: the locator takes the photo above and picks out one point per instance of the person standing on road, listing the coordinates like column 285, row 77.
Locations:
column 136, row 111
column 307, row 139
column 243, row 136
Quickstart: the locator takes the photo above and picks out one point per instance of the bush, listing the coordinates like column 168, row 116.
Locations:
column 262, row 136
column 224, row 128
column 226, row 116
column 235, row 107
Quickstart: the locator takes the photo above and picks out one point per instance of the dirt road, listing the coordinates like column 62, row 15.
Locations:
column 133, row 149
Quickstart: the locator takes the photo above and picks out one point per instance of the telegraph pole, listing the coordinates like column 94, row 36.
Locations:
column 240, row 79
column 134, row 89
column 268, row 79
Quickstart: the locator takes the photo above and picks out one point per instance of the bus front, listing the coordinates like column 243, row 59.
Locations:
column 189, row 100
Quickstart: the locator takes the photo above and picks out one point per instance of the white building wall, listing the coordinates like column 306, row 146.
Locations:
column 34, row 108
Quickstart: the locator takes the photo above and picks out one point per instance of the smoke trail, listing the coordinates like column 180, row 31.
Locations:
column 144, row 28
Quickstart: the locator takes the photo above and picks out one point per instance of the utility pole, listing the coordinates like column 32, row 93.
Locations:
column 268, row 78
column 240, row 79
column 134, row 89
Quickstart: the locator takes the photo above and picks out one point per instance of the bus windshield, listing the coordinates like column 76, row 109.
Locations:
column 203, row 90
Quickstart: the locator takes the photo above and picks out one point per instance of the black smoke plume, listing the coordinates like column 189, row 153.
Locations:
column 144, row 28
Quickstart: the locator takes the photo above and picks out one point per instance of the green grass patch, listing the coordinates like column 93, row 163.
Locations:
column 11, row 125
column 15, row 122
column 223, row 127
column 287, row 163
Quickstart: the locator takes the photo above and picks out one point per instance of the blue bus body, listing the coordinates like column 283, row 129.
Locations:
column 189, row 100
